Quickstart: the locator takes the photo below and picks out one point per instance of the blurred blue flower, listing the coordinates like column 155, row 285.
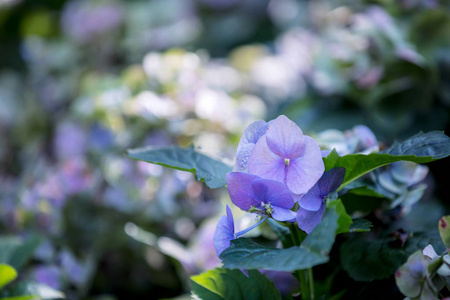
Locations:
column 312, row 204
column 360, row 139
column 49, row 275
column 70, row 140
column 401, row 182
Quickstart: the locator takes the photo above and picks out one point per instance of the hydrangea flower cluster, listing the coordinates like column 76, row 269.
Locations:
column 276, row 167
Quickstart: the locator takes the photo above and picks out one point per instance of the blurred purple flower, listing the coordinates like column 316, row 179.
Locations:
column 70, row 141
column 269, row 197
column 286, row 155
column 312, row 204
column 75, row 271
column 366, row 139
column 224, row 232
column 75, row 176
column 85, row 20
column 49, row 275
column 100, row 138
column 285, row 282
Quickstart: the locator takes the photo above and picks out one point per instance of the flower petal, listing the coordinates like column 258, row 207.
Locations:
column 283, row 214
column 312, row 200
column 285, row 138
column 224, row 232
column 308, row 220
column 265, row 163
column 251, row 135
column 240, row 189
column 331, row 180
column 303, row 172
column 273, row 192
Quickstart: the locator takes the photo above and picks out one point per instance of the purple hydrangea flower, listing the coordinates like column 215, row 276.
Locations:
column 284, row 154
column 269, row 197
column 413, row 278
column 224, row 232
column 312, row 204
column 249, row 138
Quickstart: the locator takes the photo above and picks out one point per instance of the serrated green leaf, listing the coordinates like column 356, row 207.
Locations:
column 344, row 221
column 25, row 290
column 206, row 169
column 444, row 230
column 246, row 254
column 367, row 259
column 421, row 148
column 220, row 284
column 360, row 225
column 16, row 251
column 7, row 275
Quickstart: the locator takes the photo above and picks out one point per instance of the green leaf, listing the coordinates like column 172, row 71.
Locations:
column 206, row 169
column 421, row 148
column 344, row 221
column 246, row 254
column 360, row 225
column 16, row 251
column 30, row 290
column 7, row 275
column 220, row 284
column 444, row 230
column 367, row 259
column 283, row 233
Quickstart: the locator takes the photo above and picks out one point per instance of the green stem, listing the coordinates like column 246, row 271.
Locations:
column 311, row 283
column 302, row 274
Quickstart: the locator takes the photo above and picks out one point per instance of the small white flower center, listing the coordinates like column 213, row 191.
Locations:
column 287, row 161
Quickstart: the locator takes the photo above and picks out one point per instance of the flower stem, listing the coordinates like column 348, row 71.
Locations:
column 304, row 284
column 236, row 235
column 311, row 283
column 304, row 276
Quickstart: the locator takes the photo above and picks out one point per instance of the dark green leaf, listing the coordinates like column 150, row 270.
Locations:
column 30, row 290
column 206, row 169
column 360, row 225
column 344, row 220
column 368, row 259
column 16, row 251
column 246, row 254
column 421, row 148
column 283, row 233
column 7, row 275
column 220, row 284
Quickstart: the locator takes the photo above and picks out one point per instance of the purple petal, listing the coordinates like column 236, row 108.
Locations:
column 283, row 214
column 308, row 220
column 312, row 200
column 331, row 180
column 251, row 135
column 266, row 164
column 365, row 135
column 273, row 192
column 285, row 138
column 325, row 153
column 224, row 232
column 240, row 189
column 305, row 171
column 230, row 218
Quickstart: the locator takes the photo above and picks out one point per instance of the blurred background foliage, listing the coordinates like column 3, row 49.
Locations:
column 81, row 81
